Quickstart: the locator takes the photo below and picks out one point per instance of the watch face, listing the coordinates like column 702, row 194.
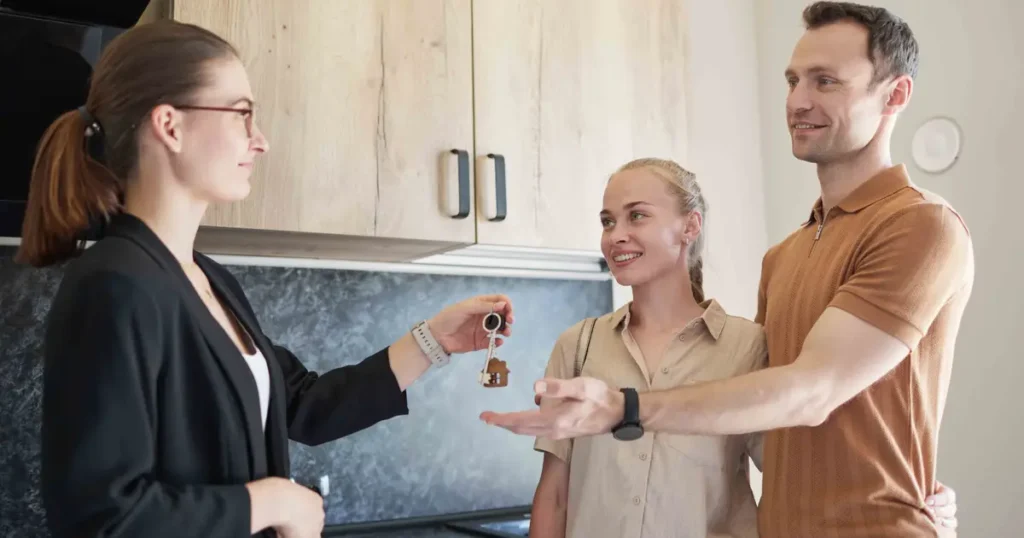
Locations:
column 628, row 432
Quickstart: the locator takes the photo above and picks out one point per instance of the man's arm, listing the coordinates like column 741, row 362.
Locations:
column 842, row 356
column 912, row 266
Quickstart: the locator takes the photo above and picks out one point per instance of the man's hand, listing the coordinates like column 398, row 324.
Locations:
column 569, row 408
column 942, row 508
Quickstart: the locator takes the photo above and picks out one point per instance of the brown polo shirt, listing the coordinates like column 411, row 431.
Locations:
column 901, row 259
column 661, row 485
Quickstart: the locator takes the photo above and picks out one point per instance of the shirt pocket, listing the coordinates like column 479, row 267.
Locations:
column 697, row 474
column 705, row 450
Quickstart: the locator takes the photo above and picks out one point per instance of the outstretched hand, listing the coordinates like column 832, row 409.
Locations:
column 569, row 408
column 459, row 327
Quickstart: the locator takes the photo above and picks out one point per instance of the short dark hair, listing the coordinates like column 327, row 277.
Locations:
column 891, row 45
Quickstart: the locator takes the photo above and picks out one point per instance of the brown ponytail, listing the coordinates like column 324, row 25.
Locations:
column 163, row 62
column 68, row 191
column 683, row 185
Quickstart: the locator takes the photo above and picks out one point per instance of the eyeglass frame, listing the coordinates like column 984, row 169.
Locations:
column 248, row 114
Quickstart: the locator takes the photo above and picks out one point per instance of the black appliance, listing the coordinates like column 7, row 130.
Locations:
column 48, row 49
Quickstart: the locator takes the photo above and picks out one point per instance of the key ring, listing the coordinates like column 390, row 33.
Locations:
column 495, row 372
column 494, row 322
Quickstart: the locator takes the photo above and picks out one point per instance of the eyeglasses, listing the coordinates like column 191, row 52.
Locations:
column 246, row 113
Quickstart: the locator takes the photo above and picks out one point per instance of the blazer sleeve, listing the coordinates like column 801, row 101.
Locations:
column 342, row 401
column 102, row 354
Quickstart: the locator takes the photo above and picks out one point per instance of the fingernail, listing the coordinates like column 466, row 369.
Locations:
column 931, row 502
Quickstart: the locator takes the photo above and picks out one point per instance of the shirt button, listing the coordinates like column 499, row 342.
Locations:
column 681, row 338
column 636, row 500
column 664, row 370
column 643, row 457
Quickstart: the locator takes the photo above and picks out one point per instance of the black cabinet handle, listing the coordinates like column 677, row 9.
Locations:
column 463, row 183
column 500, row 196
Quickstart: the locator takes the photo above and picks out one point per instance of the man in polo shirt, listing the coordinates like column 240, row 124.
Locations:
column 860, row 305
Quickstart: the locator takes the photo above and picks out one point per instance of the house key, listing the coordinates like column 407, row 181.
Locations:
column 495, row 372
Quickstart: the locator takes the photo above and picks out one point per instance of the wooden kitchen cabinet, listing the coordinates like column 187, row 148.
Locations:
column 361, row 102
column 566, row 92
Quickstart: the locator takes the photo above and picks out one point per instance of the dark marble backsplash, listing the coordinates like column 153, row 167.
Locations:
column 439, row 459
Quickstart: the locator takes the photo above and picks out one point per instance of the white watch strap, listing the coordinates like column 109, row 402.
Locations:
column 431, row 348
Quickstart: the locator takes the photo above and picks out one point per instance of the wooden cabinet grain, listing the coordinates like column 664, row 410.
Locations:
column 567, row 91
column 363, row 101
column 360, row 101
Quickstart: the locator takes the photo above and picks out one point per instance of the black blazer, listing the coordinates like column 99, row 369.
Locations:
column 151, row 421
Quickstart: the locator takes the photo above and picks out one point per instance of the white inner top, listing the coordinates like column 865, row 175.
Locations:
column 258, row 364
column 261, row 373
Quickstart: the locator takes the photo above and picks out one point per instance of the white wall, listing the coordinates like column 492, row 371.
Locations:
column 725, row 148
column 971, row 70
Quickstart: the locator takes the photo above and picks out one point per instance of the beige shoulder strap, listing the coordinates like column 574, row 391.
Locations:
column 583, row 345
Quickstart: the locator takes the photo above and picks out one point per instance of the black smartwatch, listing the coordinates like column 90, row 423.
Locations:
column 629, row 429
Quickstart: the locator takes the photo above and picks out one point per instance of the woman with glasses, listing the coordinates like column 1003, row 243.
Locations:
column 166, row 409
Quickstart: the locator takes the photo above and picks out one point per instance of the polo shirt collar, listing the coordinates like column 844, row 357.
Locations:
column 882, row 185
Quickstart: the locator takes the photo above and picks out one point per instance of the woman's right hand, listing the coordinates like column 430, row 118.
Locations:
column 294, row 511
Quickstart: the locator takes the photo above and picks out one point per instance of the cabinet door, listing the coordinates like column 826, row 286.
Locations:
column 566, row 92
column 361, row 102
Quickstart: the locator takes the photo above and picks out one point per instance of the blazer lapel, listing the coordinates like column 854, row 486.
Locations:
column 227, row 355
column 277, row 422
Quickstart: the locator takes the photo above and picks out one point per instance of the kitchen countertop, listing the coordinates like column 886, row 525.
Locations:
column 434, row 531
column 432, row 526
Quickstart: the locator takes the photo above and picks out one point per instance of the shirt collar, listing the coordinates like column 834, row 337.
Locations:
column 882, row 185
column 714, row 317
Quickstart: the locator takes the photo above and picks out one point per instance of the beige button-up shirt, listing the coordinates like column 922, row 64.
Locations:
column 661, row 485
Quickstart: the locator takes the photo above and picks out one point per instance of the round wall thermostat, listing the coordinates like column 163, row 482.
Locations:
column 936, row 144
